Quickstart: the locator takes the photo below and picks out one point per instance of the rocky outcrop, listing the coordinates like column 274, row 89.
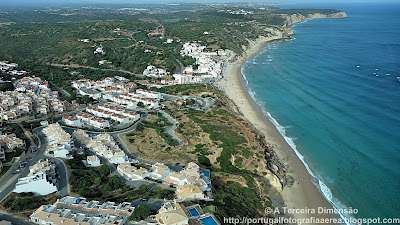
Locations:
column 298, row 18
column 273, row 163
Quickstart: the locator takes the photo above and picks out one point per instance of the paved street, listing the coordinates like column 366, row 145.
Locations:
column 13, row 219
column 60, row 165
column 9, row 183
column 154, row 204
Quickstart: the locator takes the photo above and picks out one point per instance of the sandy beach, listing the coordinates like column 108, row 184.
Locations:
column 303, row 194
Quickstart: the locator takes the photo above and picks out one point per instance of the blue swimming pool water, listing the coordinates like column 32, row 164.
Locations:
column 206, row 173
column 193, row 212
column 209, row 220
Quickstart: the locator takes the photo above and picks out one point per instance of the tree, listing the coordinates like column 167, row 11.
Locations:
column 107, row 187
column 203, row 160
column 140, row 104
column 114, row 182
column 140, row 213
column 143, row 188
column 97, row 181
column 104, row 170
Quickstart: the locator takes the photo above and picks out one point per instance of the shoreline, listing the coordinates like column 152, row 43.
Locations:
column 303, row 194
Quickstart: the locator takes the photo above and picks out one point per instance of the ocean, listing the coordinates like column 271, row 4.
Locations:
column 333, row 92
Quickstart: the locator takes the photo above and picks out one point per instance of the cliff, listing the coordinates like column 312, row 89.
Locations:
column 298, row 18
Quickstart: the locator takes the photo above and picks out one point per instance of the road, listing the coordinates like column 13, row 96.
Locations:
column 60, row 90
column 170, row 130
column 45, row 117
column 62, row 183
column 154, row 204
column 94, row 68
column 8, row 184
column 13, row 219
column 206, row 103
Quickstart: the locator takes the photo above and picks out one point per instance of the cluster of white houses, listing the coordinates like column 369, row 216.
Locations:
column 131, row 99
column 31, row 95
column 96, row 89
column 7, row 66
column 8, row 143
column 102, row 145
column 41, row 179
column 78, row 211
column 152, row 71
column 206, row 64
column 96, row 114
column 191, row 174
column 190, row 182
column 60, row 142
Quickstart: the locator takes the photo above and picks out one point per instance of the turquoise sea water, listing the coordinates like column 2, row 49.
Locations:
column 343, row 119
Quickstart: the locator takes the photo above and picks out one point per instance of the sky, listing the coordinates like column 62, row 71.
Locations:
column 90, row 2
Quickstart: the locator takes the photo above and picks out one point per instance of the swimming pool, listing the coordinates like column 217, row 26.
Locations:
column 193, row 212
column 209, row 220
column 206, row 173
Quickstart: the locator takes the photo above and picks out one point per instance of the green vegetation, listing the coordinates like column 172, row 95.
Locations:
column 159, row 126
column 22, row 202
column 98, row 183
column 141, row 212
column 7, row 86
column 233, row 200
column 92, row 182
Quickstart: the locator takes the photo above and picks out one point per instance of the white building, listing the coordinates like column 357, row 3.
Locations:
column 41, row 179
column 71, row 121
column 77, row 211
column 93, row 161
column 159, row 171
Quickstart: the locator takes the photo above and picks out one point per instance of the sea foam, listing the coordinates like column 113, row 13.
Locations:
column 322, row 187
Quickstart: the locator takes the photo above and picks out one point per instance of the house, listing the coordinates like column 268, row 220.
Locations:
column 126, row 169
column 41, row 179
column 99, row 123
column 84, row 117
column 71, row 121
column 191, row 174
column 189, row 192
column 93, row 161
column 119, row 118
column 118, row 157
column 90, row 92
column 172, row 214
column 11, row 141
column 159, row 171
column 58, row 151
column 56, row 135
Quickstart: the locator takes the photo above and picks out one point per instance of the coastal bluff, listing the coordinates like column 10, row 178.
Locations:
column 298, row 18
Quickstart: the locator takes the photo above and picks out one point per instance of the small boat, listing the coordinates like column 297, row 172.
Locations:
column 374, row 73
column 358, row 66
column 376, row 69
column 377, row 75
column 388, row 74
